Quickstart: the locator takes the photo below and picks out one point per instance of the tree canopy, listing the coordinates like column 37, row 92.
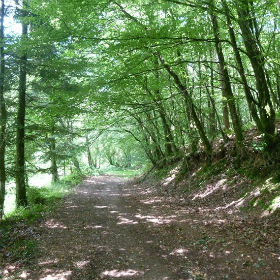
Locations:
column 126, row 82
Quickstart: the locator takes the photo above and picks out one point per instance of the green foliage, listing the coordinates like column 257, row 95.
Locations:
column 43, row 199
column 120, row 172
column 16, row 233
column 259, row 146
column 209, row 171
column 267, row 195
column 122, row 84
column 70, row 180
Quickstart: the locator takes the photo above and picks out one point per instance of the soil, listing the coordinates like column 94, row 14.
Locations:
column 110, row 228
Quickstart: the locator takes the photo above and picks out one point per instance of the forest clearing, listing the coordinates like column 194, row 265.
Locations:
column 139, row 139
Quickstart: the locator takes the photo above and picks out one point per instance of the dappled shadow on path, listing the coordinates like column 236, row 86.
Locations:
column 103, row 231
column 109, row 229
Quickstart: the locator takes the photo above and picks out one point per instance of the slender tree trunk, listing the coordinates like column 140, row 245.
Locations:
column 54, row 169
column 225, row 80
column 146, row 148
column 224, row 103
column 154, row 141
column 169, row 143
column 21, row 199
column 77, row 165
column 3, row 113
column 212, row 128
column 90, row 161
column 198, row 124
column 249, row 97
column 253, row 48
column 89, row 157
column 211, row 99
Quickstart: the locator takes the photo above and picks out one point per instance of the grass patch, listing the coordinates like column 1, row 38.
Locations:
column 120, row 172
column 17, row 234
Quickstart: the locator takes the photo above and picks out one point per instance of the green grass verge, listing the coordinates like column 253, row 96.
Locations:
column 120, row 172
column 17, row 235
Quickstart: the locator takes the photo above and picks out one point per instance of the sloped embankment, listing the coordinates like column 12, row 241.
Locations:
column 235, row 205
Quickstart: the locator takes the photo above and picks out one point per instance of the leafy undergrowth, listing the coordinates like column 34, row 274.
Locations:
column 18, row 237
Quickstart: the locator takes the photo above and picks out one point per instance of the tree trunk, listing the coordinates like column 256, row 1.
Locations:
column 21, row 199
column 212, row 107
column 54, row 170
column 157, row 152
column 77, row 165
column 225, row 81
column 249, row 97
column 199, row 126
column 89, row 157
column 169, row 143
column 90, row 161
column 3, row 113
column 224, row 102
column 266, row 110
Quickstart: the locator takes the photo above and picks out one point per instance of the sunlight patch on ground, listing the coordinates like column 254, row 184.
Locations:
column 53, row 224
column 125, row 221
column 151, row 201
column 124, row 273
column 61, row 275
column 101, row 207
column 81, row 264
column 93, row 227
column 211, row 189
column 24, row 275
column 169, row 179
column 236, row 204
column 9, row 269
column 46, row 262
column 127, row 195
column 72, row 206
column 179, row 252
column 275, row 204
column 172, row 176
column 114, row 194
column 195, row 172
column 147, row 191
column 157, row 220
column 91, row 180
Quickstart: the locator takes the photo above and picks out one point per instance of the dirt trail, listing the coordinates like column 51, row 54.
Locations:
column 109, row 229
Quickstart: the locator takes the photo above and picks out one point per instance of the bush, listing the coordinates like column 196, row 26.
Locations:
column 35, row 196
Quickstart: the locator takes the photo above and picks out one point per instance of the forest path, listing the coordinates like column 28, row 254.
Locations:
column 112, row 229
column 103, row 231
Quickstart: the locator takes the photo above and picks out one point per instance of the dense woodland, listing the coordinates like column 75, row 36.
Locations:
column 134, row 81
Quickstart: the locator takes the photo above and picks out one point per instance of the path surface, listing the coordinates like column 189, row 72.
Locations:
column 109, row 229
